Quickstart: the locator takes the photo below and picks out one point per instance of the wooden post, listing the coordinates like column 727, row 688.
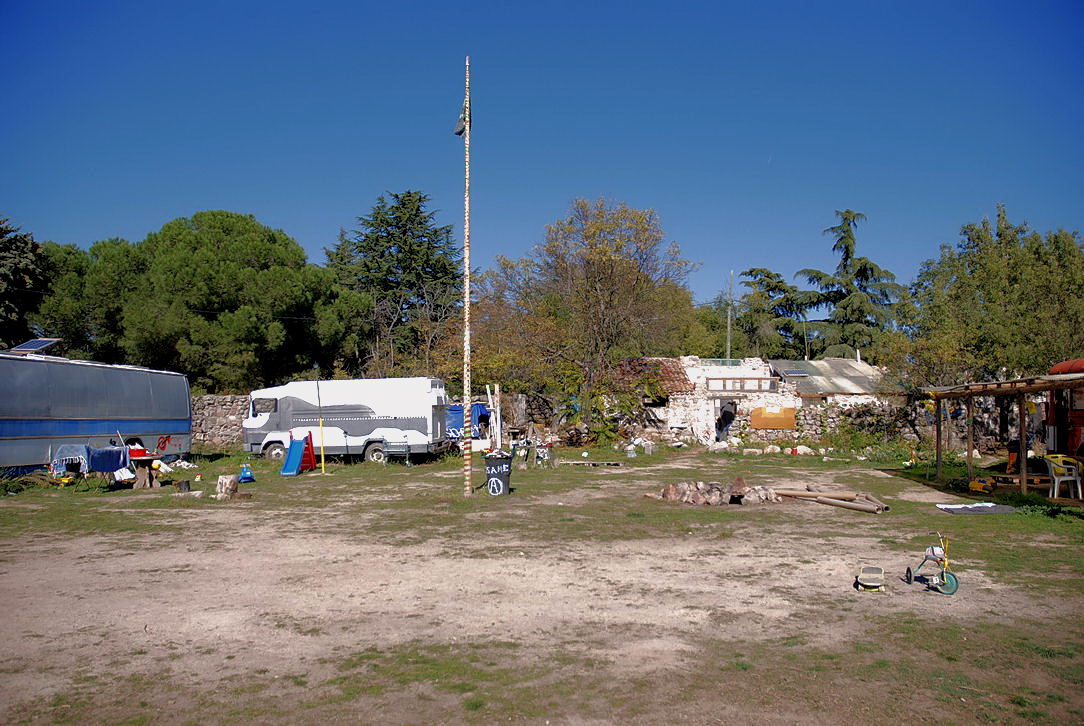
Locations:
column 1022, row 421
column 467, row 407
column 937, row 431
column 970, row 437
column 498, row 417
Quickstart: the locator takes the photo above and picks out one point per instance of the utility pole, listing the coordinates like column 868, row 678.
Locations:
column 729, row 307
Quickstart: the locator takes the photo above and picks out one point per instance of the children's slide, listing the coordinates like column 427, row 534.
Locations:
column 291, row 465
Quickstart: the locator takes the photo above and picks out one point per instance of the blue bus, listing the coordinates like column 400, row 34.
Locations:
column 47, row 401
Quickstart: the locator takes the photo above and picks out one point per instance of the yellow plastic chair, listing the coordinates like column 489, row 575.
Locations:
column 1063, row 468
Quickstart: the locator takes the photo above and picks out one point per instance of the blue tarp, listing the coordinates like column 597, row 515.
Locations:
column 454, row 421
column 108, row 459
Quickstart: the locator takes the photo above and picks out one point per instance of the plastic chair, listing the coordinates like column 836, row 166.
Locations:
column 1063, row 468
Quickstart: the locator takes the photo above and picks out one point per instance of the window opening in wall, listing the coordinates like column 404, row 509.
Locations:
column 742, row 384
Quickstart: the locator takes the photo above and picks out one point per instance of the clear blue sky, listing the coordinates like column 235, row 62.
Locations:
column 743, row 124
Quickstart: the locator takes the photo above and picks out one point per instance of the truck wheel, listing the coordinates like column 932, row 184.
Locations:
column 274, row 451
column 375, row 453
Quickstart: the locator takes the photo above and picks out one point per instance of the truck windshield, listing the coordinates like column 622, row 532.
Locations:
column 262, row 405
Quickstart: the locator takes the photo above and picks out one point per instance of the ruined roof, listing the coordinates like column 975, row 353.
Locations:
column 829, row 376
column 669, row 372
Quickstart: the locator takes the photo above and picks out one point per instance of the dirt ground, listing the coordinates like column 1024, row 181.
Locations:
column 240, row 613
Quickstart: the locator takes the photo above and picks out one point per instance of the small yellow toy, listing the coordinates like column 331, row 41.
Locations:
column 981, row 484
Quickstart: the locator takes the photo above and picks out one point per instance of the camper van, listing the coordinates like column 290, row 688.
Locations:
column 370, row 418
column 46, row 401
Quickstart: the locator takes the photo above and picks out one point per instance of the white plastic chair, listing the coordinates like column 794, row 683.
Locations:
column 1063, row 469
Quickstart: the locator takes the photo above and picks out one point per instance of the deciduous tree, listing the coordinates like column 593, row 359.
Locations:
column 603, row 286
column 1004, row 301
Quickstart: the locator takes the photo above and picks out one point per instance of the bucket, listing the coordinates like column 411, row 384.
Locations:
column 498, row 472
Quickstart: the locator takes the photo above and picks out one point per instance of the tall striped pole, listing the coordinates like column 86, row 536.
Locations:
column 467, row 407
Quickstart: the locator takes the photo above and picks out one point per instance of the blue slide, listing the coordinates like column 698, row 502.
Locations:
column 291, row 465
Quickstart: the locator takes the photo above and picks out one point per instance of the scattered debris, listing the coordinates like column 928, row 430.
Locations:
column 977, row 508
column 715, row 493
column 848, row 500
column 588, row 462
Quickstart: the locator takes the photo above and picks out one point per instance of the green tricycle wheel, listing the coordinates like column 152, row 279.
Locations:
column 949, row 585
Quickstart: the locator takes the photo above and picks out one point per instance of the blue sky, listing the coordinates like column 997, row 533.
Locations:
column 744, row 125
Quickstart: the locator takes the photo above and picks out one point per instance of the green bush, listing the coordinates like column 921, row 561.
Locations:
column 17, row 484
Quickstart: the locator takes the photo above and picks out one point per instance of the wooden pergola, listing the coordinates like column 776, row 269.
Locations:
column 1019, row 388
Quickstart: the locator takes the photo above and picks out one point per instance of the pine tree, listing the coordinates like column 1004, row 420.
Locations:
column 21, row 283
column 859, row 296
column 409, row 266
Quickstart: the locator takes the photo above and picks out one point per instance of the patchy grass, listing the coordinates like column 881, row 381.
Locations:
column 995, row 667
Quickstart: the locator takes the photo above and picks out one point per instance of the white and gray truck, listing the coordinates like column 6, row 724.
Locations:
column 370, row 418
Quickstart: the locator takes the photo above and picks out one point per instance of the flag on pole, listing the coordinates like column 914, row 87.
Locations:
column 464, row 119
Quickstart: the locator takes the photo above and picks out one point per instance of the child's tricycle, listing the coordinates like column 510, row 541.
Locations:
column 943, row 581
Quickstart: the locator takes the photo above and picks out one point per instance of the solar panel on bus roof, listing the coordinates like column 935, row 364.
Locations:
column 37, row 344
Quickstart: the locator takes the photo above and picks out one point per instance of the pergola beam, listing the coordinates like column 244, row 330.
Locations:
column 1020, row 388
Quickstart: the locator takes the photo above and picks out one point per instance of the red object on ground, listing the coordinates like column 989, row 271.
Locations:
column 308, row 456
column 1068, row 366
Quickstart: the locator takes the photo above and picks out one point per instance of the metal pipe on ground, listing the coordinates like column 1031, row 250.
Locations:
column 870, row 498
column 858, row 506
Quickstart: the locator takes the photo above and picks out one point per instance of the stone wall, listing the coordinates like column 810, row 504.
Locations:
column 815, row 422
column 216, row 421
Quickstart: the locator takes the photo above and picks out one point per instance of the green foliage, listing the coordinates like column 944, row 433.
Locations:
column 18, row 484
column 21, row 282
column 1004, row 302
column 859, row 296
column 234, row 304
column 859, row 302
column 217, row 296
column 772, row 316
column 602, row 288
column 408, row 268
column 1035, row 504
column 87, row 297
column 226, row 300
